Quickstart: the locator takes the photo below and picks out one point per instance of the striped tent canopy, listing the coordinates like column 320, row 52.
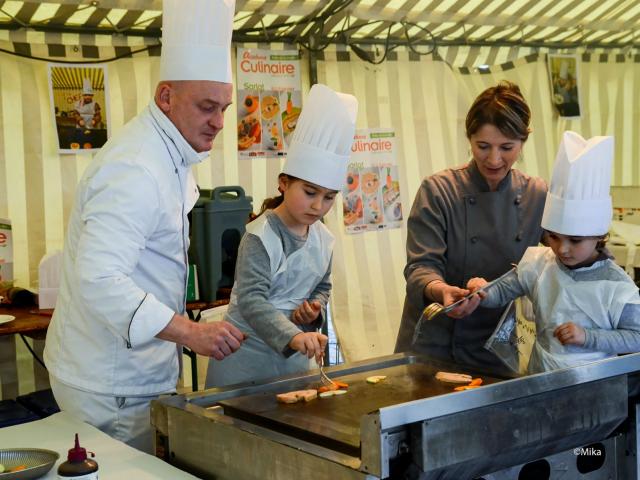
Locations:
column 72, row 78
column 317, row 23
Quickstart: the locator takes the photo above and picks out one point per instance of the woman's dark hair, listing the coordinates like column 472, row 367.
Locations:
column 273, row 202
column 502, row 106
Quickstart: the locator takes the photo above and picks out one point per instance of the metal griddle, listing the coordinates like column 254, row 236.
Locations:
column 409, row 422
column 335, row 421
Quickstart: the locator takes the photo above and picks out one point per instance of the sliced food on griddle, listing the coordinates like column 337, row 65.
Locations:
column 328, row 388
column 465, row 387
column 376, row 378
column 297, row 396
column 331, row 393
column 451, row 377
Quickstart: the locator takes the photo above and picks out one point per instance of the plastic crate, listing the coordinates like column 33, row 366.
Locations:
column 218, row 222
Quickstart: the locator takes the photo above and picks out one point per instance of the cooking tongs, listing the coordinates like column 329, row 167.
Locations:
column 323, row 376
column 434, row 309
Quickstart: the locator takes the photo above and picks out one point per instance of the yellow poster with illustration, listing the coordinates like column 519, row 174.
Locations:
column 564, row 75
column 269, row 101
column 79, row 99
column 371, row 195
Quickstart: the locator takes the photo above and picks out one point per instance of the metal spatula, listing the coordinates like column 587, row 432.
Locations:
column 434, row 309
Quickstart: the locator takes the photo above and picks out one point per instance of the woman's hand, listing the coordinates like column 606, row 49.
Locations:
column 570, row 334
column 451, row 294
column 439, row 291
column 306, row 313
column 311, row 344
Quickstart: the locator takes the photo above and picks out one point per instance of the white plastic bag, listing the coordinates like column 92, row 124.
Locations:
column 513, row 338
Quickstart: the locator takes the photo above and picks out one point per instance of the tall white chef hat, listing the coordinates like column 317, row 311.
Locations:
column 321, row 143
column 196, row 40
column 87, row 89
column 564, row 70
column 578, row 201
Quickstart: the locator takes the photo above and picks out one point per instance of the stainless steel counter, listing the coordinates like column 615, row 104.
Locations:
column 409, row 424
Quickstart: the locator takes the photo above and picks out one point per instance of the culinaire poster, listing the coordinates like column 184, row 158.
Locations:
column 79, row 106
column 371, row 195
column 269, row 101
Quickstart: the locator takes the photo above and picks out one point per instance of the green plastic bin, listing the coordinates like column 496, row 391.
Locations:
column 218, row 222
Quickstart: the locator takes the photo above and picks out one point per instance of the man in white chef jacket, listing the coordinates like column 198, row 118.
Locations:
column 111, row 346
column 87, row 112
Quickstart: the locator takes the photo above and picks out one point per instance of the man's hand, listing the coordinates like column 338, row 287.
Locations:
column 570, row 334
column 306, row 313
column 215, row 339
column 311, row 344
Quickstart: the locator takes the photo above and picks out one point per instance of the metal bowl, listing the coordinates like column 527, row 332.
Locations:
column 37, row 462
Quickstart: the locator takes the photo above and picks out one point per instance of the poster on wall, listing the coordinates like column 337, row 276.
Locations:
column 6, row 253
column 269, row 101
column 79, row 106
column 371, row 195
column 564, row 75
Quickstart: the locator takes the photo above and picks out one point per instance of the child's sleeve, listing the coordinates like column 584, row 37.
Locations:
column 624, row 339
column 502, row 292
column 252, row 286
column 519, row 282
column 321, row 293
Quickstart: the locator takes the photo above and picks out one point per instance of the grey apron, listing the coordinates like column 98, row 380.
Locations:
column 293, row 280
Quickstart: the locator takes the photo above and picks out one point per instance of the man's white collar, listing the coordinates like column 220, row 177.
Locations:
column 187, row 153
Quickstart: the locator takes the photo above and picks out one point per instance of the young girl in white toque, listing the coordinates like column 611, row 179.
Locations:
column 586, row 307
column 282, row 282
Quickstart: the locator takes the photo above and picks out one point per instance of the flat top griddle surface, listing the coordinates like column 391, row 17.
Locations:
column 335, row 421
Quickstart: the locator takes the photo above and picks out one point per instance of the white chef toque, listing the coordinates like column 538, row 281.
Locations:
column 87, row 89
column 564, row 70
column 578, row 202
column 196, row 40
column 321, row 143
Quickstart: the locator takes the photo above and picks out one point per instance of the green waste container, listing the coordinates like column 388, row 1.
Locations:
column 218, row 222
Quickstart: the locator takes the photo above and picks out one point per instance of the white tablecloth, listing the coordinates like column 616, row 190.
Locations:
column 116, row 460
column 624, row 244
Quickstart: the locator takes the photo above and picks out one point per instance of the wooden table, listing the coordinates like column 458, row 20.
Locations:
column 33, row 323
column 29, row 322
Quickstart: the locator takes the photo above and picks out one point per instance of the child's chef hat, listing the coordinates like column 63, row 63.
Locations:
column 87, row 89
column 196, row 40
column 578, row 201
column 321, row 143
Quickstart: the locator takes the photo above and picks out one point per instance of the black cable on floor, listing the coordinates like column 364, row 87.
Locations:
column 32, row 352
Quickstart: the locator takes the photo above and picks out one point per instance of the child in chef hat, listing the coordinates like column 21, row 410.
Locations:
column 282, row 282
column 586, row 307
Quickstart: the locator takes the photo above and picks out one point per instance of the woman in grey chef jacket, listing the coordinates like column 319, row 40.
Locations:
column 471, row 221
